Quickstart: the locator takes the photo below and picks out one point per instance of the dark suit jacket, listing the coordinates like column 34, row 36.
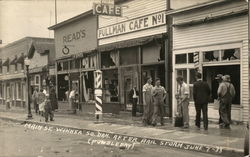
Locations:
column 201, row 92
column 131, row 93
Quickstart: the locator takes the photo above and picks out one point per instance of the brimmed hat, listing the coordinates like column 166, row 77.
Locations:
column 226, row 78
column 218, row 76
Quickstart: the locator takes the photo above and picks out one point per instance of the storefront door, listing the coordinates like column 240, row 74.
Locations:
column 129, row 76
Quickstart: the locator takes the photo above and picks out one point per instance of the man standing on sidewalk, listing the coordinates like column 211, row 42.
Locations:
column 201, row 93
column 159, row 95
column 133, row 96
column 226, row 93
column 48, row 109
column 72, row 100
column 147, row 102
column 183, row 100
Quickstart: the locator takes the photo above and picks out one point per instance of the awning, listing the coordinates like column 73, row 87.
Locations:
column 6, row 62
column 212, row 18
column 129, row 43
column 20, row 59
column 13, row 61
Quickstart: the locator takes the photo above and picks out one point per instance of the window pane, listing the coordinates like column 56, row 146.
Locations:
column 152, row 53
column 211, row 56
column 65, row 65
column 59, row 66
column 77, row 63
column 72, row 64
column 192, row 73
column 110, row 86
column 109, row 59
column 129, row 56
column 191, row 58
column 183, row 73
column 231, row 54
column 181, row 58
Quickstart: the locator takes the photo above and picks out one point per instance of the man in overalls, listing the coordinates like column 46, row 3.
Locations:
column 226, row 93
column 159, row 95
column 147, row 102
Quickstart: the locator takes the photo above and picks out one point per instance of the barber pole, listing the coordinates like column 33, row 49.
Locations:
column 197, row 63
column 98, row 95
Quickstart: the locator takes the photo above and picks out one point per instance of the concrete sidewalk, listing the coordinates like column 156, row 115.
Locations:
column 214, row 141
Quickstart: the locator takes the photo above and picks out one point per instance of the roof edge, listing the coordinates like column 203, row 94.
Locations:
column 197, row 6
column 72, row 19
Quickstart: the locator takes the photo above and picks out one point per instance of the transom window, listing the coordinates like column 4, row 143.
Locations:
column 221, row 55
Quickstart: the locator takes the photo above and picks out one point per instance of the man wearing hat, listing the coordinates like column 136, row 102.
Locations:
column 48, row 109
column 215, row 85
column 226, row 93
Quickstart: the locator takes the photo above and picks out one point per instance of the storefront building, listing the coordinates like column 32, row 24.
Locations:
column 13, row 87
column 131, row 48
column 217, row 32
column 76, row 56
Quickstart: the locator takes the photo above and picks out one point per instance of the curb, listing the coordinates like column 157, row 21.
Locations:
column 209, row 149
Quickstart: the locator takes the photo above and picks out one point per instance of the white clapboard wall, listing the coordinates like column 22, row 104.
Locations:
column 232, row 30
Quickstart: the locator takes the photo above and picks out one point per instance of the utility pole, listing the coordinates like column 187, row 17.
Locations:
column 55, row 13
column 168, row 59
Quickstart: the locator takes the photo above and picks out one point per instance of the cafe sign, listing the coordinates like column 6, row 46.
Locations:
column 141, row 23
column 107, row 9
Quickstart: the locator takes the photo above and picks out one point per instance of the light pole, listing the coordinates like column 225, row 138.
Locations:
column 27, row 64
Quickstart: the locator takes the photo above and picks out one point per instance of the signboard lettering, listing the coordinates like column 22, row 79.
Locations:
column 74, row 36
column 137, row 24
column 107, row 9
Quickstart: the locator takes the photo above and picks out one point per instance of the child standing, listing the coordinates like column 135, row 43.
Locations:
column 48, row 109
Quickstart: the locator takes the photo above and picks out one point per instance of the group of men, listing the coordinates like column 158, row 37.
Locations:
column 201, row 95
column 154, row 97
column 153, row 101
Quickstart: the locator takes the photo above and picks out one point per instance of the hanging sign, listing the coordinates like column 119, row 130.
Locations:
column 107, row 9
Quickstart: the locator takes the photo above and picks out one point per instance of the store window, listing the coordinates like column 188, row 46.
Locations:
column 110, row 86
column 65, row 65
column 37, row 79
column 18, row 90
column 88, row 86
column 221, row 55
column 77, row 63
column 72, row 64
column 152, row 53
column 211, row 56
column 181, row 58
column 23, row 92
column 129, row 56
column 190, row 57
column 230, row 54
column 183, row 73
column 59, row 66
column 109, row 59
column 63, row 87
